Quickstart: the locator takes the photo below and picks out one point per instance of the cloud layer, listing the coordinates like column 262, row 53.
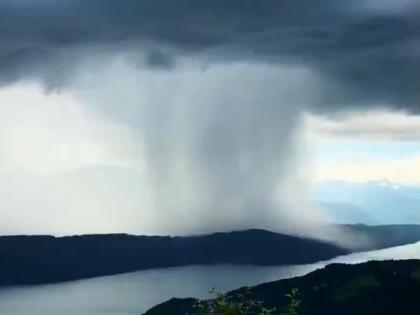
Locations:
column 369, row 52
column 373, row 125
column 201, row 100
column 398, row 171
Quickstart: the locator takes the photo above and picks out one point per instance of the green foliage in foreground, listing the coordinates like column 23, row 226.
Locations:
column 241, row 304
column 292, row 307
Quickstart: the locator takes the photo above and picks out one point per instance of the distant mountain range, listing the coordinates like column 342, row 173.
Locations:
column 372, row 288
column 48, row 259
column 375, row 202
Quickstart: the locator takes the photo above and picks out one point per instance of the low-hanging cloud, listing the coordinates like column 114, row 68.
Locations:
column 206, row 151
column 218, row 144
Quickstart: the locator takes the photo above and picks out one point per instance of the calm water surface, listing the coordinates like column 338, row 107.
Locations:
column 134, row 293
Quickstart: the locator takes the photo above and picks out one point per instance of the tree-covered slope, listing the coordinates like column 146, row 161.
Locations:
column 46, row 259
column 372, row 288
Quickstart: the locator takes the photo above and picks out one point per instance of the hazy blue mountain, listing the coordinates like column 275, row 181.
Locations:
column 347, row 213
column 376, row 202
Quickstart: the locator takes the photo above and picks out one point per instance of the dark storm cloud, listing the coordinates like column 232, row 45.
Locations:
column 220, row 142
column 368, row 54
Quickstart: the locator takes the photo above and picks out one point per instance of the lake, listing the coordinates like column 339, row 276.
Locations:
column 134, row 293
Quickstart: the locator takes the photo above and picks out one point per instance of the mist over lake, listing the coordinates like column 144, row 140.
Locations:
column 134, row 293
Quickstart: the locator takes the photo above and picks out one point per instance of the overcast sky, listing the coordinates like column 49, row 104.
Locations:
column 156, row 116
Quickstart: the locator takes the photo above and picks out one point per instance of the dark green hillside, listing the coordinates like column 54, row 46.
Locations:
column 48, row 259
column 383, row 288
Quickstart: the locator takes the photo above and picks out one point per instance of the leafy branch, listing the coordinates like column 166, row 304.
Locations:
column 242, row 304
